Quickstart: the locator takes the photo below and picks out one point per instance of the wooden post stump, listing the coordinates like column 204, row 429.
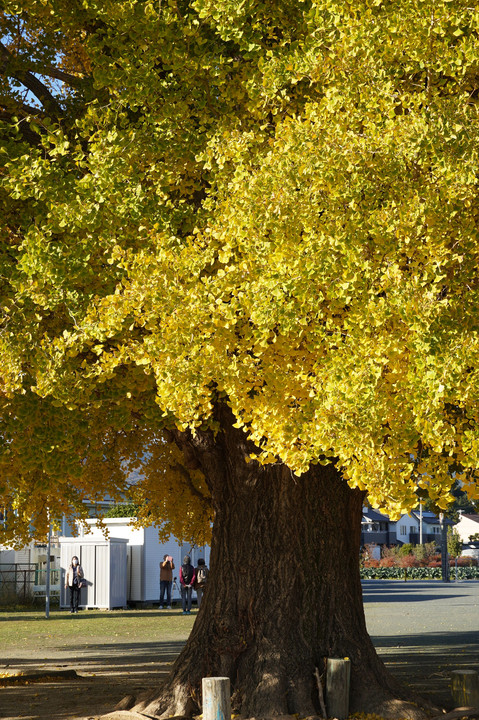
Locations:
column 465, row 688
column 338, row 673
column 216, row 698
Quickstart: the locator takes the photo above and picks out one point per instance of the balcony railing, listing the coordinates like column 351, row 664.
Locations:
column 426, row 538
column 382, row 537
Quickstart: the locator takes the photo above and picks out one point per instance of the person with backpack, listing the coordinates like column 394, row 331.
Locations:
column 201, row 577
column 187, row 580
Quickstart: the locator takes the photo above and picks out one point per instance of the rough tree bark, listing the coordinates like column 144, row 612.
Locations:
column 284, row 591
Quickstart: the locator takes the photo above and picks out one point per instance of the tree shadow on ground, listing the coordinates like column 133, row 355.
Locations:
column 107, row 673
column 400, row 591
column 125, row 656
column 424, row 662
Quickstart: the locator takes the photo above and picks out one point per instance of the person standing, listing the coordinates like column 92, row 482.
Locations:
column 166, row 580
column 201, row 573
column 187, row 579
column 73, row 580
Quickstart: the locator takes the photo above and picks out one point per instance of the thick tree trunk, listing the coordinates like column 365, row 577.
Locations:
column 283, row 595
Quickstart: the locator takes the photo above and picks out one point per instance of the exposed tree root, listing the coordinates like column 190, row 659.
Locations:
column 458, row 713
column 379, row 703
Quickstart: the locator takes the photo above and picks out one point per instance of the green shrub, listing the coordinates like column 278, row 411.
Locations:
column 424, row 553
column 415, row 573
column 122, row 510
column 454, row 543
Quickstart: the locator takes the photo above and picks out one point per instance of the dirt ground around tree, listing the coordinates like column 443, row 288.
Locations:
column 422, row 630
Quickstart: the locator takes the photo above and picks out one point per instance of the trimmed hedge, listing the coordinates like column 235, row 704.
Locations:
column 417, row 573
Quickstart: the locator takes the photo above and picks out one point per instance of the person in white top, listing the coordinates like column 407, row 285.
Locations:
column 74, row 581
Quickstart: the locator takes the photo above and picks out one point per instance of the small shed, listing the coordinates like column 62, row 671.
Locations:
column 104, row 563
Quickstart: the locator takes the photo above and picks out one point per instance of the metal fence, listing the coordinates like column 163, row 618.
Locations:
column 17, row 580
column 24, row 581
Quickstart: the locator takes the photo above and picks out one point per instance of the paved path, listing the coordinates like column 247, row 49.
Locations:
column 424, row 629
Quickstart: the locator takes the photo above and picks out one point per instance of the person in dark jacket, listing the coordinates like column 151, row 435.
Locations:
column 201, row 573
column 187, row 579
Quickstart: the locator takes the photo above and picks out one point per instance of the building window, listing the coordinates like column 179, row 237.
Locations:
column 403, row 530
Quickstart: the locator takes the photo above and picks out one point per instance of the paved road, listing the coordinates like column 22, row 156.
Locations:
column 424, row 629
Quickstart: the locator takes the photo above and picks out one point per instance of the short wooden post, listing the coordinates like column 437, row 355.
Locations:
column 465, row 688
column 216, row 698
column 338, row 673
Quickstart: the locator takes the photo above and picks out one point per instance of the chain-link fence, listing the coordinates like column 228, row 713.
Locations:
column 22, row 582
column 17, row 581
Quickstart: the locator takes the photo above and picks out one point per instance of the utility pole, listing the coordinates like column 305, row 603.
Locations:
column 444, row 553
column 47, row 579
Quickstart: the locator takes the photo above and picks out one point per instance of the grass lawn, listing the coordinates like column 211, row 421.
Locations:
column 29, row 633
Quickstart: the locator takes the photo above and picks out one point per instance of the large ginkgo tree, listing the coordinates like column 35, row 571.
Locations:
column 240, row 254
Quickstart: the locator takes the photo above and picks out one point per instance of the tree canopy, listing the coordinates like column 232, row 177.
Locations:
column 267, row 204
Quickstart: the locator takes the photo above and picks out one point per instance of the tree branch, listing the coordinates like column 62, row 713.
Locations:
column 189, row 482
column 32, row 83
column 58, row 74
column 23, row 107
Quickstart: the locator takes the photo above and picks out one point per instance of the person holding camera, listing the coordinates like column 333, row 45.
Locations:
column 166, row 580
column 187, row 579
column 74, row 581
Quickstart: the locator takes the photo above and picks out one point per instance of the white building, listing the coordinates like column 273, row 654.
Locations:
column 408, row 527
column 468, row 525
